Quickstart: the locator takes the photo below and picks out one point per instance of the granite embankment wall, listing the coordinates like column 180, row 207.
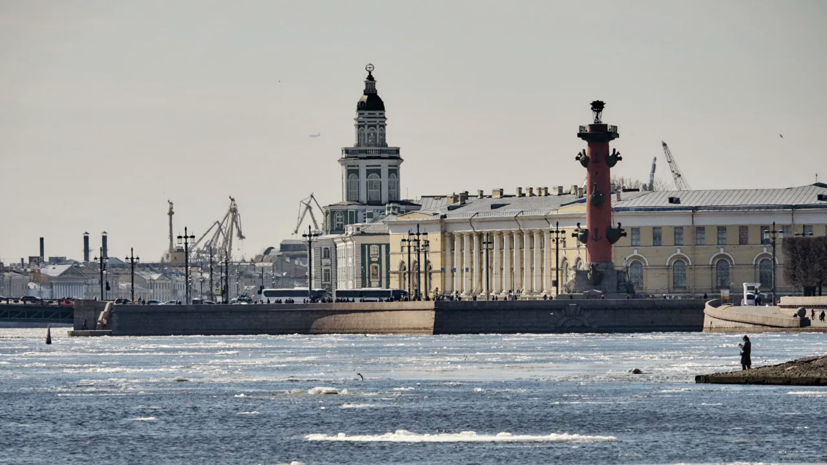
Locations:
column 568, row 316
column 468, row 317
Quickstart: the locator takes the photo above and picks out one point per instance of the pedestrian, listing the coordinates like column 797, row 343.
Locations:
column 821, row 316
column 746, row 352
column 812, row 314
column 85, row 326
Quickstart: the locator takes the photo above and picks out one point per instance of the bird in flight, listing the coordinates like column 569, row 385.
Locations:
column 316, row 135
column 780, row 136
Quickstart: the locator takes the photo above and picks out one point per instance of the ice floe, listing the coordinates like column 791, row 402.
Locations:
column 465, row 436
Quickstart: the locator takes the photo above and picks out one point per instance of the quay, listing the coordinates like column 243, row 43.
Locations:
column 793, row 314
column 424, row 317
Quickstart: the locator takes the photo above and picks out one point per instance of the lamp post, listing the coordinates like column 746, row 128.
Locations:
column 102, row 264
column 487, row 245
column 771, row 236
column 310, row 237
column 132, row 259
column 407, row 243
column 186, row 239
column 557, row 233
column 426, row 247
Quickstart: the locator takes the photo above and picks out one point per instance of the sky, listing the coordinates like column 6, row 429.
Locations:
column 109, row 109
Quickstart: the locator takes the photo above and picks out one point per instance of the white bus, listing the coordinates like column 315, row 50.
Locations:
column 297, row 295
column 369, row 294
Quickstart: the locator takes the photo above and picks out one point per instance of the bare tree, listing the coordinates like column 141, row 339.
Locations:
column 805, row 263
column 629, row 183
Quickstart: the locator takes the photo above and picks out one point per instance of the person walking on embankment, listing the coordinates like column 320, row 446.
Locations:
column 746, row 352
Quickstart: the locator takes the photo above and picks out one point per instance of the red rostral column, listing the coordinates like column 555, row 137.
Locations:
column 598, row 162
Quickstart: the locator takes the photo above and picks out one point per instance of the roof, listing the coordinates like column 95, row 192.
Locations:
column 54, row 270
column 512, row 205
column 792, row 197
column 370, row 102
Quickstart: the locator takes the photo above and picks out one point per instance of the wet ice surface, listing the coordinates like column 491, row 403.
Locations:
column 425, row 399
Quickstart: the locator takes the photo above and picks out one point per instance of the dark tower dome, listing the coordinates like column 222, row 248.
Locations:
column 370, row 100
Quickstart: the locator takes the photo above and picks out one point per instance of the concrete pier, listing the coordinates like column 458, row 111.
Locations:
column 809, row 371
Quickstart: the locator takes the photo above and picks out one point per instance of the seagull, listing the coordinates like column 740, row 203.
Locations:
column 780, row 136
column 316, row 135
column 360, row 376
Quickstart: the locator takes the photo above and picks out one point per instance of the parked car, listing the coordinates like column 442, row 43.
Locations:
column 122, row 301
column 29, row 299
column 209, row 302
column 170, row 302
column 153, row 302
column 67, row 302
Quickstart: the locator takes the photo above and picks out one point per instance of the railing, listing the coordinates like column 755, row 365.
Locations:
column 37, row 312
column 369, row 151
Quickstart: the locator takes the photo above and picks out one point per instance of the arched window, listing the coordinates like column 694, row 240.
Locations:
column 371, row 137
column 374, row 275
column 636, row 274
column 565, row 272
column 722, row 274
column 765, row 273
column 374, row 188
column 679, row 274
column 393, row 188
column 381, row 137
column 339, row 221
column 326, row 252
column 353, row 187
column 361, row 136
column 578, row 265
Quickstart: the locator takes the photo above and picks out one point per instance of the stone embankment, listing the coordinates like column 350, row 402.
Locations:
column 758, row 319
column 809, row 371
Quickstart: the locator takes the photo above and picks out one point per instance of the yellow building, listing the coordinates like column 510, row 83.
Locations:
column 678, row 242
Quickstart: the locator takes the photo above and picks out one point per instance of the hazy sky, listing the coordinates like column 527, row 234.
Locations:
column 108, row 109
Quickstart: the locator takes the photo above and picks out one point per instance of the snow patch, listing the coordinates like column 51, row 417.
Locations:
column 465, row 436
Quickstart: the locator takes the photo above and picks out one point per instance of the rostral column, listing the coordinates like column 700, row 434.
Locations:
column 599, row 234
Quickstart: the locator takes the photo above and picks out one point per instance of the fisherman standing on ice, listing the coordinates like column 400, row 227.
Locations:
column 746, row 351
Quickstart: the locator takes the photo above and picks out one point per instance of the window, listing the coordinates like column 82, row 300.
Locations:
column 393, row 188
column 722, row 274
column 808, row 230
column 765, row 273
column 635, row 236
column 679, row 235
column 371, row 137
column 765, row 234
column 361, row 136
column 353, row 187
column 743, row 235
column 700, row 235
column 326, row 252
column 374, row 272
column 374, row 188
column 636, row 274
column 721, row 235
column 787, row 230
column 657, row 238
column 326, row 275
column 679, row 274
column 565, row 272
column 338, row 221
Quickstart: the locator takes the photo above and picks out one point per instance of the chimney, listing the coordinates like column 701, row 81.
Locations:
column 497, row 193
column 529, row 191
column 42, row 251
column 545, row 191
column 579, row 192
column 618, row 195
column 480, row 193
column 573, row 190
column 519, row 192
column 558, row 190
column 86, row 247
column 463, row 196
column 104, row 245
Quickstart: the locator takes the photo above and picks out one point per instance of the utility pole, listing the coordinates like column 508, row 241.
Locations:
column 310, row 237
column 771, row 235
column 186, row 240
column 557, row 234
column 102, row 263
column 487, row 245
column 226, row 292
column 132, row 259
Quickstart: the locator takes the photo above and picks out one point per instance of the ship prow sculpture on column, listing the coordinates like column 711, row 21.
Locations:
column 599, row 234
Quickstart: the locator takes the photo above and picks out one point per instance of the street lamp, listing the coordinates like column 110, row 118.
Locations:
column 426, row 247
column 132, row 259
column 408, row 243
column 186, row 239
column 310, row 237
column 771, row 236
column 557, row 233
column 487, row 245
column 102, row 264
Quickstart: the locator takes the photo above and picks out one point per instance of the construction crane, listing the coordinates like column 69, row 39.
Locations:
column 651, row 186
column 680, row 183
column 306, row 206
column 221, row 235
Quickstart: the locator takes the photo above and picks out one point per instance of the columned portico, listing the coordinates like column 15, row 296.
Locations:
column 466, row 261
column 477, row 271
column 547, row 262
column 457, row 262
column 516, row 272
column 496, row 283
column 448, row 276
column 506, row 273
column 527, row 262
column 538, row 268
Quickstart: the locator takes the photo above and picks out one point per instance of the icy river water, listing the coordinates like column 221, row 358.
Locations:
column 470, row 399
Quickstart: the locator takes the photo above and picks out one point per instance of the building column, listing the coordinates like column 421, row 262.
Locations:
column 448, row 277
column 495, row 280
column 466, row 264
column 527, row 262
column 537, row 288
column 547, row 262
column 516, row 272
column 457, row 262
column 476, row 272
column 506, row 273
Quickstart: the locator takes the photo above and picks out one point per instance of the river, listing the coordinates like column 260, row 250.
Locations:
column 468, row 399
